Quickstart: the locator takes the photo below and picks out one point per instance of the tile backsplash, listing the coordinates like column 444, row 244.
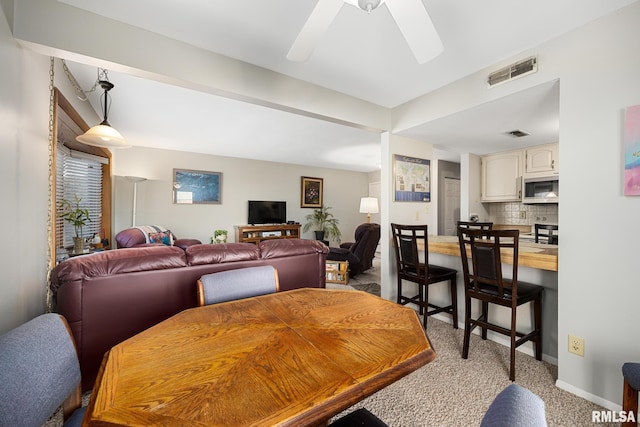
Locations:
column 513, row 213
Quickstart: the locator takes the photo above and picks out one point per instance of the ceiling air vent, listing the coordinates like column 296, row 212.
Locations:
column 517, row 133
column 518, row 69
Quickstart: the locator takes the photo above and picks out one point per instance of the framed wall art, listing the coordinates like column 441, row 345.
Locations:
column 631, row 142
column 411, row 177
column 311, row 194
column 193, row 187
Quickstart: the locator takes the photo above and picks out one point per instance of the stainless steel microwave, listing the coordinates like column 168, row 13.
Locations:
column 541, row 190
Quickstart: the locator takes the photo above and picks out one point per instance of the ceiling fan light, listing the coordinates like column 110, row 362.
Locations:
column 104, row 136
column 365, row 4
column 369, row 5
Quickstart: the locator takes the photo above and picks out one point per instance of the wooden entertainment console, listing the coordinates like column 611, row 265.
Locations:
column 257, row 233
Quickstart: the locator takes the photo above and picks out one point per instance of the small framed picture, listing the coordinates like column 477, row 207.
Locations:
column 192, row 187
column 311, row 194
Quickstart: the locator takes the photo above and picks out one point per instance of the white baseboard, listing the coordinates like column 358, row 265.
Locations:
column 500, row 339
column 588, row 396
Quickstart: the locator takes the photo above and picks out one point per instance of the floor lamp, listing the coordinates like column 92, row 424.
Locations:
column 135, row 180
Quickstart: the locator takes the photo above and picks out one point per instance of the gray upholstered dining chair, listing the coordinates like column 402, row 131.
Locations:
column 515, row 406
column 39, row 371
column 237, row 284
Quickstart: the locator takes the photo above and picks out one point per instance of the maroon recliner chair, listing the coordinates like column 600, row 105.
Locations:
column 361, row 252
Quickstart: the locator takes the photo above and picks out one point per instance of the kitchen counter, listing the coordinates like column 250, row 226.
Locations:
column 533, row 255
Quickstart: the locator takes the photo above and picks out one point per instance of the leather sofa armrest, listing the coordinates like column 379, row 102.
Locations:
column 347, row 245
column 185, row 243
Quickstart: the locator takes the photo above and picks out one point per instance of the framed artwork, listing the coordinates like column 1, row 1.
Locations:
column 311, row 195
column 631, row 142
column 411, row 178
column 192, row 187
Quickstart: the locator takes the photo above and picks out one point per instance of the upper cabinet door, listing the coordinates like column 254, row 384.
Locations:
column 542, row 160
column 502, row 177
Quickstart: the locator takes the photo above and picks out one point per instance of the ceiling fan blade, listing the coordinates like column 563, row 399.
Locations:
column 318, row 22
column 417, row 28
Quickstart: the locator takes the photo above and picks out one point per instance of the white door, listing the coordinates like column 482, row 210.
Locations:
column 451, row 205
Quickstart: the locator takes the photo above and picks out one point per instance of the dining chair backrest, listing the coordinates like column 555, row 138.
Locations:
column 237, row 284
column 548, row 231
column 407, row 240
column 39, row 371
column 475, row 225
column 489, row 250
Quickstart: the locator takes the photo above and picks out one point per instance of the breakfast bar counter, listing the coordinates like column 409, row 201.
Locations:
column 533, row 255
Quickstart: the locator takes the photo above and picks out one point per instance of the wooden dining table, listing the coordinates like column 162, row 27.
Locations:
column 291, row 358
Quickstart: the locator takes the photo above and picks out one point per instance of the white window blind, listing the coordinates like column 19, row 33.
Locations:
column 78, row 174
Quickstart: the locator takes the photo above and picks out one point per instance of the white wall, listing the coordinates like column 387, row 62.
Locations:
column 400, row 212
column 598, row 291
column 598, row 282
column 242, row 180
column 24, row 112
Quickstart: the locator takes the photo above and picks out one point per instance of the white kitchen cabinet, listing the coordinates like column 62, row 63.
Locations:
column 542, row 160
column 501, row 179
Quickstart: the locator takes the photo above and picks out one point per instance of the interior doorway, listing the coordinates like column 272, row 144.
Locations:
column 451, row 205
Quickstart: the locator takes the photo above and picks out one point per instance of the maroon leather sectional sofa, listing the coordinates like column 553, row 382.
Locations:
column 110, row 296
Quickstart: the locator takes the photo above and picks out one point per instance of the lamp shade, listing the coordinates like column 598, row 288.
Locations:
column 368, row 205
column 103, row 136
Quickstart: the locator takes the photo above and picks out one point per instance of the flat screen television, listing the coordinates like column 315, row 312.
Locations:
column 267, row 212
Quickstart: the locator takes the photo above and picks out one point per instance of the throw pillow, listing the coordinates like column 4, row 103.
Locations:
column 161, row 237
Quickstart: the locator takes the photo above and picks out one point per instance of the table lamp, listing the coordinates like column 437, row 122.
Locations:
column 368, row 205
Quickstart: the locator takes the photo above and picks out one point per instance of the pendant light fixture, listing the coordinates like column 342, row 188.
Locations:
column 103, row 135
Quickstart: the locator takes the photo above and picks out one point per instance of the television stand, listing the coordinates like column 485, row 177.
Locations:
column 257, row 233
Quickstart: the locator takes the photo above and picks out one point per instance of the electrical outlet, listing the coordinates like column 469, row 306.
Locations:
column 576, row 345
column 523, row 214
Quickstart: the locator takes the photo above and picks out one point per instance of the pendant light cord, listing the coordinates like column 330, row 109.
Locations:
column 81, row 94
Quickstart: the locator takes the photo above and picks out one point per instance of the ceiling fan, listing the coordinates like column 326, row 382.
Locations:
column 410, row 16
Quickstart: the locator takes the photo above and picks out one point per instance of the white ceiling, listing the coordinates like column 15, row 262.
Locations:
column 361, row 55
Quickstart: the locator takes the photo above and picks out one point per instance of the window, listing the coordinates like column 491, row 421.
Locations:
column 79, row 174
column 79, row 170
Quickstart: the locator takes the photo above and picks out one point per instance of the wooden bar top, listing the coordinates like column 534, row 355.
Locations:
column 291, row 358
column 533, row 255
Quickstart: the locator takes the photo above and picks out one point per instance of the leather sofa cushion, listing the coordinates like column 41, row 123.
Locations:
column 279, row 248
column 108, row 263
column 219, row 253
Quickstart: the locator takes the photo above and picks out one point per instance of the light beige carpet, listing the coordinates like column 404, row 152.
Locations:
column 451, row 391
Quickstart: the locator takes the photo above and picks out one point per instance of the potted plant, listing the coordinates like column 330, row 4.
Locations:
column 79, row 217
column 323, row 223
column 219, row 236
